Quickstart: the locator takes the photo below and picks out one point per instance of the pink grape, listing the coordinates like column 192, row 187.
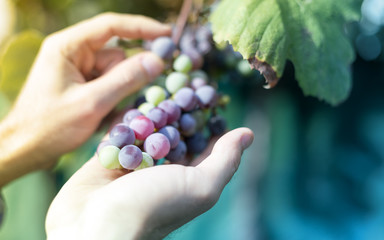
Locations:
column 142, row 127
column 157, row 145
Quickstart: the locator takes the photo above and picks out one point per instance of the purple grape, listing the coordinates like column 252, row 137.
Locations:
column 204, row 47
column 217, row 125
column 131, row 114
column 172, row 109
column 186, row 99
column 121, row 135
column 172, row 134
column 130, row 157
column 158, row 116
column 178, row 153
column 187, row 41
column 196, row 143
column 207, row 96
column 198, row 82
column 157, row 145
column 142, row 127
column 203, row 34
column 188, row 124
column 163, row 47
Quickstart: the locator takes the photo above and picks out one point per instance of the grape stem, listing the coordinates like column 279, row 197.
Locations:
column 182, row 20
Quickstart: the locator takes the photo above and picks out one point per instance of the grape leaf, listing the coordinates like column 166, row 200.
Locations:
column 16, row 61
column 309, row 33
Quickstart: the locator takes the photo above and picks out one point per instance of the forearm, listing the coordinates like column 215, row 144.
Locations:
column 19, row 153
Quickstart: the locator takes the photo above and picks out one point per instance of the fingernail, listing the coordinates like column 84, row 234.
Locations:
column 153, row 65
column 246, row 140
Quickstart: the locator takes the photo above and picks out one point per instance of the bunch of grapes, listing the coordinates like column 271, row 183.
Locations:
column 173, row 118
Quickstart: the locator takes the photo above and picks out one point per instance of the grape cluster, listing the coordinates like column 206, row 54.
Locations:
column 173, row 118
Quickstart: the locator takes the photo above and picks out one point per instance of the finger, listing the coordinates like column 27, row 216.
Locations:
column 124, row 79
column 106, row 59
column 225, row 156
column 95, row 32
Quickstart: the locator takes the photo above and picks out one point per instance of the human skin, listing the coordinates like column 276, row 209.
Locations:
column 98, row 203
column 73, row 84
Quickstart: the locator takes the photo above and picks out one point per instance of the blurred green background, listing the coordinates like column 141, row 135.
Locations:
column 313, row 172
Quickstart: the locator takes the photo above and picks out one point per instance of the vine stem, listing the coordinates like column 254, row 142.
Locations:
column 182, row 20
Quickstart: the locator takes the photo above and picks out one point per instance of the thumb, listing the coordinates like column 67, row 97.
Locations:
column 224, row 160
column 124, row 79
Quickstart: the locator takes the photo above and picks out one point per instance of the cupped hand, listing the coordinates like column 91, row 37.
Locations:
column 73, row 84
column 98, row 203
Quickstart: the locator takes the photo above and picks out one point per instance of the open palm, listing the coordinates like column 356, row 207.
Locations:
column 98, row 203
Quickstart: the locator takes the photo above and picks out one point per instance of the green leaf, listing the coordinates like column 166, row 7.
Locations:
column 307, row 32
column 16, row 61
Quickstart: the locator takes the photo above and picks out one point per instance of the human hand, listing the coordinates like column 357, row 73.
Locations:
column 98, row 203
column 63, row 102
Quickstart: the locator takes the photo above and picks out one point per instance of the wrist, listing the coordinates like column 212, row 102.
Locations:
column 19, row 150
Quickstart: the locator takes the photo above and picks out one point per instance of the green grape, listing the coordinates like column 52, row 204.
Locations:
column 145, row 107
column 182, row 64
column 155, row 95
column 147, row 162
column 243, row 68
column 176, row 81
column 109, row 157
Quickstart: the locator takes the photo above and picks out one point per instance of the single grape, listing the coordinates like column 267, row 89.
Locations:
column 187, row 40
column 146, row 162
column 176, row 81
column 131, row 114
column 172, row 134
column 163, row 47
column 121, row 135
column 244, row 68
column 207, row 96
column 186, row 99
column 157, row 145
column 203, row 34
column 204, row 47
column 145, row 107
column 172, row 109
column 217, row 125
column 142, row 126
column 178, row 153
column 198, row 82
column 130, row 157
column 196, row 143
column 158, row 116
column 182, row 64
column 109, row 157
column 200, row 118
column 188, row 124
column 155, row 95
column 101, row 145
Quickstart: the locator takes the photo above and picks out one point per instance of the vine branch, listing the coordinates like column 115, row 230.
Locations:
column 182, row 20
